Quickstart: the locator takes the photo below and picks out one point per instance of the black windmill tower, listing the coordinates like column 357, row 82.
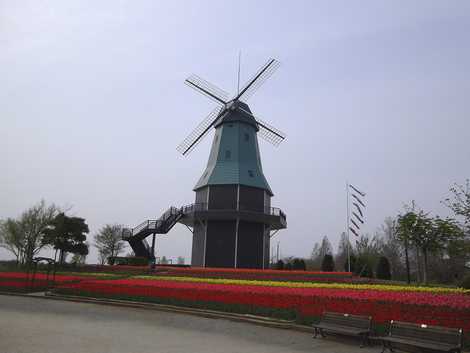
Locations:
column 232, row 219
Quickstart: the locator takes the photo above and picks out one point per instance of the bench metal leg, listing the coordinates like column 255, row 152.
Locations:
column 384, row 346
column 387, row 345
column 365, row 341
column 318, row 331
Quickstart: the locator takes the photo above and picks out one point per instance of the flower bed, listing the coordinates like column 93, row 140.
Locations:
column 293, row 284
column 121, row 269
column 303, row 304
column 21, row 282
column 255, row 274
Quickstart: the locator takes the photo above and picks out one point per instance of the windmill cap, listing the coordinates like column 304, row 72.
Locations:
column 232, row 113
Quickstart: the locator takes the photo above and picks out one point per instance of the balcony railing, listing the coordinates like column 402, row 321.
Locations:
column 197, row 207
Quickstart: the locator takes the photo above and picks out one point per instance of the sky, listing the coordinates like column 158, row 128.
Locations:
column 93, row 105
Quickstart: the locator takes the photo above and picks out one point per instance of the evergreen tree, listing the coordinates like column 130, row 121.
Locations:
column 328, row 264
column 383, row 269
column 67, row 235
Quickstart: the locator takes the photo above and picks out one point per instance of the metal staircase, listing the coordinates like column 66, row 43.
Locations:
column 136, row 236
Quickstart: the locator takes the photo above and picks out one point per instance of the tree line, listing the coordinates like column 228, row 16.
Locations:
column 412, row 246
column 44, row 226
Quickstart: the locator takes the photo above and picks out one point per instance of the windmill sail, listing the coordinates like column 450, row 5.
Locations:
column 199, row 132
column 267, row 132
column 258, row 79
column 208, row 89
column 270, row 133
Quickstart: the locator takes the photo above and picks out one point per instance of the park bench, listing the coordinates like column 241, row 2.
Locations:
column 346, row 324
column 434, row 338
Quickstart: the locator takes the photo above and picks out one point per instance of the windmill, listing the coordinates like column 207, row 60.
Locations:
column 228, row 106
column 232, row 218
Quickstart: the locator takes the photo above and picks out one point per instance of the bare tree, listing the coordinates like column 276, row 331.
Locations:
column 342, row 253
column 109, row 242
column 460, row 203
column 12, row 239
column 392, row 248
column 33, row 222
column 318, row 253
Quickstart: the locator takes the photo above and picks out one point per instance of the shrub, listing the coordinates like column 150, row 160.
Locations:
column 298, row 264
column 279, row 265
column 465, row 282
column 129, row 261
column 383, row 269
column 328, row 264
column 363, row 267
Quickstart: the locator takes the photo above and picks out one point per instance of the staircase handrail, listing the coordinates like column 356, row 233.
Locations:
column 140, row 227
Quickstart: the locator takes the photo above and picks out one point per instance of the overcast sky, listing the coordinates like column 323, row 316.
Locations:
column 93, row 105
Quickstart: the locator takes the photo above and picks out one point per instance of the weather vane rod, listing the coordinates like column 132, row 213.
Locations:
column 239, row 64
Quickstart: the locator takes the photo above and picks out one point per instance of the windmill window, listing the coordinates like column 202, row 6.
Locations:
column 228, row 154
column 246, row 136
column 250, row 173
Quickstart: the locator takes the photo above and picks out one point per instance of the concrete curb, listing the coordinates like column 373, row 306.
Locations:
column 212, row 314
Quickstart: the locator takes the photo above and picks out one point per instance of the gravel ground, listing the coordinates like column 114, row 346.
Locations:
column 30, row 325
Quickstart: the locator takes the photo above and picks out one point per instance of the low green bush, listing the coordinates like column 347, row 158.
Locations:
column 128, row 261
column 465, row 282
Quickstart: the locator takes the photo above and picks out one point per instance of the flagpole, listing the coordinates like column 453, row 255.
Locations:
column 347, row 225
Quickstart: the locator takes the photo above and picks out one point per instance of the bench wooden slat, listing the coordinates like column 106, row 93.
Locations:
column 423, row 344
column 338, row 328
column 356, row 325
column 424, row 336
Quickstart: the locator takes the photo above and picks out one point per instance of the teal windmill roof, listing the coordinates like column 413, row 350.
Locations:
column 234, row 156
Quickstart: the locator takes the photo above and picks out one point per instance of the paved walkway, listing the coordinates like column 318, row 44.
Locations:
column 31, row 325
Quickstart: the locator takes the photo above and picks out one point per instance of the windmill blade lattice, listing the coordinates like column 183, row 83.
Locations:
column 199, row 132
column 266, row 131
column 208, row 89
column 258, row 79
column 270, row 133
